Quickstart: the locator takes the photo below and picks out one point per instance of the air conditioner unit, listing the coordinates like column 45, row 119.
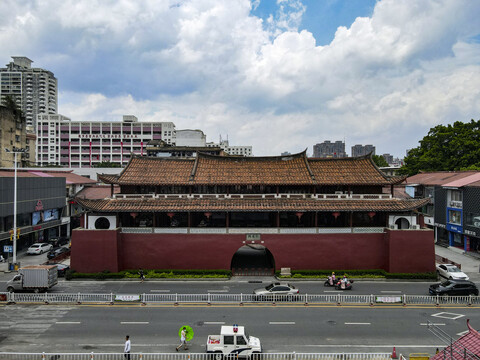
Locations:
column 416, row 227
column 394, row 226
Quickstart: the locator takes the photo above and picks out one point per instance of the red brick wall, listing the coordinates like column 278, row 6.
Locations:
column 410, row 251
column 394, row 251
column 94, row 250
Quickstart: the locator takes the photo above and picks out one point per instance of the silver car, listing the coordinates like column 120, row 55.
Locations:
column 451, row 272
column 276, row 291
column 39, row 248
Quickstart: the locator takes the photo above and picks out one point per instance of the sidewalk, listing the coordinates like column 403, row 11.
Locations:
column 470, row 265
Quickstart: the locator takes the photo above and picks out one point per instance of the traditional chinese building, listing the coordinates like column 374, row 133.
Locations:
column 252, row 215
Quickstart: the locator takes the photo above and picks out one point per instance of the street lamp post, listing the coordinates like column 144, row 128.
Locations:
column 15, row 151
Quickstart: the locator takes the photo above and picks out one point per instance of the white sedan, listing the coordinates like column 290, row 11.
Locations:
column 450, row 271
column 39, row 248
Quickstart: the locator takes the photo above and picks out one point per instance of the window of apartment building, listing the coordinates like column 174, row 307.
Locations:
column 27, row 141
column 17, row 138
column 455, row 195
column 455, row 217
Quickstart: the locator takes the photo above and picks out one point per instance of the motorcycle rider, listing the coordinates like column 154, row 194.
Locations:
column 345, row 279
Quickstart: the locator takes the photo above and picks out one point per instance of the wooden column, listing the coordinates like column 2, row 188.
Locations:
column 227, row 222
column 316, row 219
column 351, row 218
column 154, row 220
column 189, row 219
column 278, row 219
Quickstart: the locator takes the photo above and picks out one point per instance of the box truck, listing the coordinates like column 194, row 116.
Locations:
column 34, row 278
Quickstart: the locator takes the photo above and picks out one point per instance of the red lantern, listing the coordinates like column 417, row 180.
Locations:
column 170, row 215
column 336, row 214
column 371, row 214
column 134, row 214
column 208, row 214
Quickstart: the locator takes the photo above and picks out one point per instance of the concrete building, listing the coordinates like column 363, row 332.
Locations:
column 361, row 150
column 388, row 158
column 453, row 210
column 189, row 138
column 327, row 149
column 12, row 135
column 61, row 141
column 232, row 150
column 34, row 89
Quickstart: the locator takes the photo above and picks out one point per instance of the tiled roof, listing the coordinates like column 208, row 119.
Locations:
column 242, row 205
column 294, row 169
column 352, row 171
column 469, row 341
column 438, row 177
column 97, row 192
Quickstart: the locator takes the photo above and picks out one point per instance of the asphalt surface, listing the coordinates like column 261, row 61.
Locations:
column 102, row 328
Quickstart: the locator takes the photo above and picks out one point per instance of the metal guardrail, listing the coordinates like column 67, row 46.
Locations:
column 193, row 356
column 81, row 298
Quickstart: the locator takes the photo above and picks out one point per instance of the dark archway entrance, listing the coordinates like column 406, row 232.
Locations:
column 253, row 260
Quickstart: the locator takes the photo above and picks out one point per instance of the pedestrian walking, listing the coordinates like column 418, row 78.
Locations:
column 142, row 276
column 127, row 347
column 183, row 339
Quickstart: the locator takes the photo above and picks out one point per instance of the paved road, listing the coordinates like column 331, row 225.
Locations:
column 281, row 329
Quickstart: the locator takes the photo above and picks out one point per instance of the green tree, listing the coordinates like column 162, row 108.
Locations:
column 10, row 103
column 379, row 160
column 446, row 148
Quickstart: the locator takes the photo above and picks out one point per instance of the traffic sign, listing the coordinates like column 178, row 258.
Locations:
column 8, row 248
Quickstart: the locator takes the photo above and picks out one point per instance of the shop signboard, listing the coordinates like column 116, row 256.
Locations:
column 455, row 228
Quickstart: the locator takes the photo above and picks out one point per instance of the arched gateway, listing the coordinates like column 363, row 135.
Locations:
column 253, row 260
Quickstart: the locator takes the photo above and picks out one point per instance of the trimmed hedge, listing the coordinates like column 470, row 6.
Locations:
column 375, row 273
column 152, row 274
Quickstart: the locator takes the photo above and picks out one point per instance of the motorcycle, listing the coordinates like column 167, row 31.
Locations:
column 341, row 285
column 330, row 281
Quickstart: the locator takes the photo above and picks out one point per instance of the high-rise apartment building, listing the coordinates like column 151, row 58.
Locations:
column 327, row 149
column 361, row 150
column 76, row 144
column 34, row 89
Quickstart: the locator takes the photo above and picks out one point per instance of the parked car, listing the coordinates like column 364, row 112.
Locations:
column 454, row 288
column 39, row 248
column 277, row 288
column 450, row 271
column 57, row 251
column 62, row 268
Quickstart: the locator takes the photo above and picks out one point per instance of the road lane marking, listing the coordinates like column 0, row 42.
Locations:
column 391, row 292
column 134, row 322
column 357, row 323
column 436, row 324
column 332, row 291
column 448, row 315
column 221, row 291
column 67, row 322
column 282, row 322
column 463, row 333
column 214, row 323
column 162, row 291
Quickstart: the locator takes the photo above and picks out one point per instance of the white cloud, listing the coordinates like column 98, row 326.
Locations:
column 384, row 79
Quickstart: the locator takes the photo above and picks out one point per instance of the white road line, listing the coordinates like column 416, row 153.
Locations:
column 214, row 322
column 282, row 322
column 67, row 322
column 437, row 324
column 134, row 322
column 332, row 291
column 374, row 346
column 463, row 333
column 357, row 323
column 222, row 291
column 391, row 292
column 162, row 291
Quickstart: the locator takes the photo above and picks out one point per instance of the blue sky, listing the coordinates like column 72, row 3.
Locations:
column 280, row 75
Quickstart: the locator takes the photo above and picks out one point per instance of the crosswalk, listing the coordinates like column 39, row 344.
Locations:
column 24, row 324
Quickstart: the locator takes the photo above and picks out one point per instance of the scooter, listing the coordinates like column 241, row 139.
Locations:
column 340, row 285
column 330, row 281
